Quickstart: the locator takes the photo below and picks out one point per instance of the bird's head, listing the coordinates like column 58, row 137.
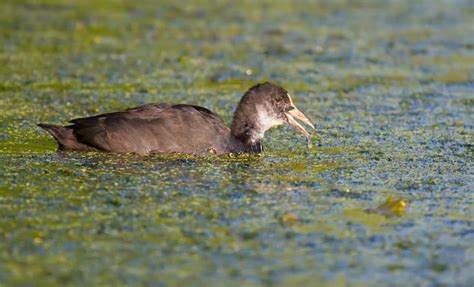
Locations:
column 262, row 107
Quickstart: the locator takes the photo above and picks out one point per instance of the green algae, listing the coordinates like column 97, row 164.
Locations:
column 391, row 207
column 388, row 84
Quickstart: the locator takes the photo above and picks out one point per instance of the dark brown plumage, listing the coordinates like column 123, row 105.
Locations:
column 188, row 129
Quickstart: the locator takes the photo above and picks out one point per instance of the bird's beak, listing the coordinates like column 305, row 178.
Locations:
column 293, row 114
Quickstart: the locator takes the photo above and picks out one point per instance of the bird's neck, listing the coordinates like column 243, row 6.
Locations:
column 247, row 143
column 246, row 129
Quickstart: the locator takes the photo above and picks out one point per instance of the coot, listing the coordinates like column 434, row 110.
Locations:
column 186, row 129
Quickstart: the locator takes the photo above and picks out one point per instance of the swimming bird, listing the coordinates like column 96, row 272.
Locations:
column 181, row 128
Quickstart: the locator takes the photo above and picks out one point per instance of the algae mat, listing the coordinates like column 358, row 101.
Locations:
column 389, row 84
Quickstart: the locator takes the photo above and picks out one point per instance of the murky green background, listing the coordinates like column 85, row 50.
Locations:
column 389, row 84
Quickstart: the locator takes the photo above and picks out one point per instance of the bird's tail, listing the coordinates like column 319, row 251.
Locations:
column 61, row 134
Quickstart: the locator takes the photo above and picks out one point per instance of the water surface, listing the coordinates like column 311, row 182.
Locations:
column 389, row 85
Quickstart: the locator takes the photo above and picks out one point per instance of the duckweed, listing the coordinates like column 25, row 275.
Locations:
column 389, row 85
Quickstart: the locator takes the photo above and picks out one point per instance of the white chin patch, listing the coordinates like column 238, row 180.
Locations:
column 266, row 120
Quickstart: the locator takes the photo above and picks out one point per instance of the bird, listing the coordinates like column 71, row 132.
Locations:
column 182, row 128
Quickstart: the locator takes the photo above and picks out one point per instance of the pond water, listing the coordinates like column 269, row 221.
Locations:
column 389, row 85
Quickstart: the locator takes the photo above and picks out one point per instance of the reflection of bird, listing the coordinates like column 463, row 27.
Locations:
column 188, row 129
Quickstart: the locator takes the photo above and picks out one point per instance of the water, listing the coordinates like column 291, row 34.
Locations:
column 389, row 85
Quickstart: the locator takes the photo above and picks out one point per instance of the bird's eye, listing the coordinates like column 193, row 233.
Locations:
column 289, row 108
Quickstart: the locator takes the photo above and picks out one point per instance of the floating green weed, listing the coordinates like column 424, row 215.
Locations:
column 388, row 84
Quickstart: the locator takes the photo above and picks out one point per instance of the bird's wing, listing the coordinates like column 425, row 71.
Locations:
column 152, row 128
